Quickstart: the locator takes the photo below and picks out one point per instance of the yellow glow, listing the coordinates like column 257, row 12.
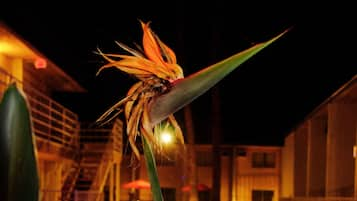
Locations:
column 166, row 137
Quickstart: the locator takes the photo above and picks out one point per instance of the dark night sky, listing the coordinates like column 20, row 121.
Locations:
column 260, row 101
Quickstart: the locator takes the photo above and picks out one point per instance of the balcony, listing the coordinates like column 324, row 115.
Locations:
column 56, row 128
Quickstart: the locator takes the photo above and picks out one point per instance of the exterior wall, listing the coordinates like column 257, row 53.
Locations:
column 264, row 179
column 5, row 62
column 17, row 68
column 246, row 184
column 245, row 162
column 238, row 178
column 204, row 175
column 317, row 137
column 341, row 139
column 226, row 178
column 300, row 165
column 323, row 155
column 5, row 65
column 324, row 147
column 287, row 167
column 12, row 66
column 33, row 77
column 50, row 173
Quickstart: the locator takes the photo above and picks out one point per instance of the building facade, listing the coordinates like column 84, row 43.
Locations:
column 56, row 129
column 247, row 173
column 319, row 155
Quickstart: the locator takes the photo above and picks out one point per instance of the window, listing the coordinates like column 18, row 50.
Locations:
column 204, row 195
column 262, row 195
column 241, row 152
column 263, row 160
column 169, row 194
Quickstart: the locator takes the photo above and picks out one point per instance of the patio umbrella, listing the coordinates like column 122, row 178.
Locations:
column 200, row 187
column 137, row 184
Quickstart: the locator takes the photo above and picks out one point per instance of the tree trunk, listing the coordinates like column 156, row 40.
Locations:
column 216, row 140
column 216, row 108
column 191, row 154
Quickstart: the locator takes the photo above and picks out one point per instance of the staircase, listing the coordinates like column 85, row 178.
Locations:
column 70, row 182
column 92, row 154
column 97, row 150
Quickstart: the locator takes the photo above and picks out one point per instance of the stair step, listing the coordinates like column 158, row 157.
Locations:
column 88, row 164
column 94, row 146
column 91, row 160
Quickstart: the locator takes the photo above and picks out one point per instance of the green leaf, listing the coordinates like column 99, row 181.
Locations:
column 186, row 90
column 152, row 171
column 18, row 168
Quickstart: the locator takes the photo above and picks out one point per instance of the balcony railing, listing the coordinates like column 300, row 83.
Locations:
column 109, row 135
column 52, row 123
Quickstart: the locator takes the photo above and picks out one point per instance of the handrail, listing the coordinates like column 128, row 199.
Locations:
column 111, row 134
column 70, row 190
column 110, row 137
column 51, row 120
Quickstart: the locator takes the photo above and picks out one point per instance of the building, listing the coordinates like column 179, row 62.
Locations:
column 246, row 173
column 56, row 128
column 319, row 154
column 69, row 164
column 75, row 163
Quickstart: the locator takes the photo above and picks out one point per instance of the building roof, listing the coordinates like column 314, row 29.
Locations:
column 13, row 45
column 347, row 93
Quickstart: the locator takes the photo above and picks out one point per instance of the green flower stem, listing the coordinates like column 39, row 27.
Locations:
column 152, row 171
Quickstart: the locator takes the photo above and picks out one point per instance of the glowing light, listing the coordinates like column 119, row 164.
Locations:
column 40, row 63
column 166, row 137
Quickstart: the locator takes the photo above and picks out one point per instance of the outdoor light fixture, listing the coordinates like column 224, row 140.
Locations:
column 166, row 137
column 40, row 63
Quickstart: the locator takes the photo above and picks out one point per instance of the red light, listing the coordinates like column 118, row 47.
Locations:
column 40, row 63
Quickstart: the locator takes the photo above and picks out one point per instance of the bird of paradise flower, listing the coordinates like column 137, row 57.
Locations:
column 156, row 69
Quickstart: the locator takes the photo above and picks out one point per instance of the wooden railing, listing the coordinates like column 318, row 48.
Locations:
column 103, row 143
column 52, row 123
column 111, row 135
